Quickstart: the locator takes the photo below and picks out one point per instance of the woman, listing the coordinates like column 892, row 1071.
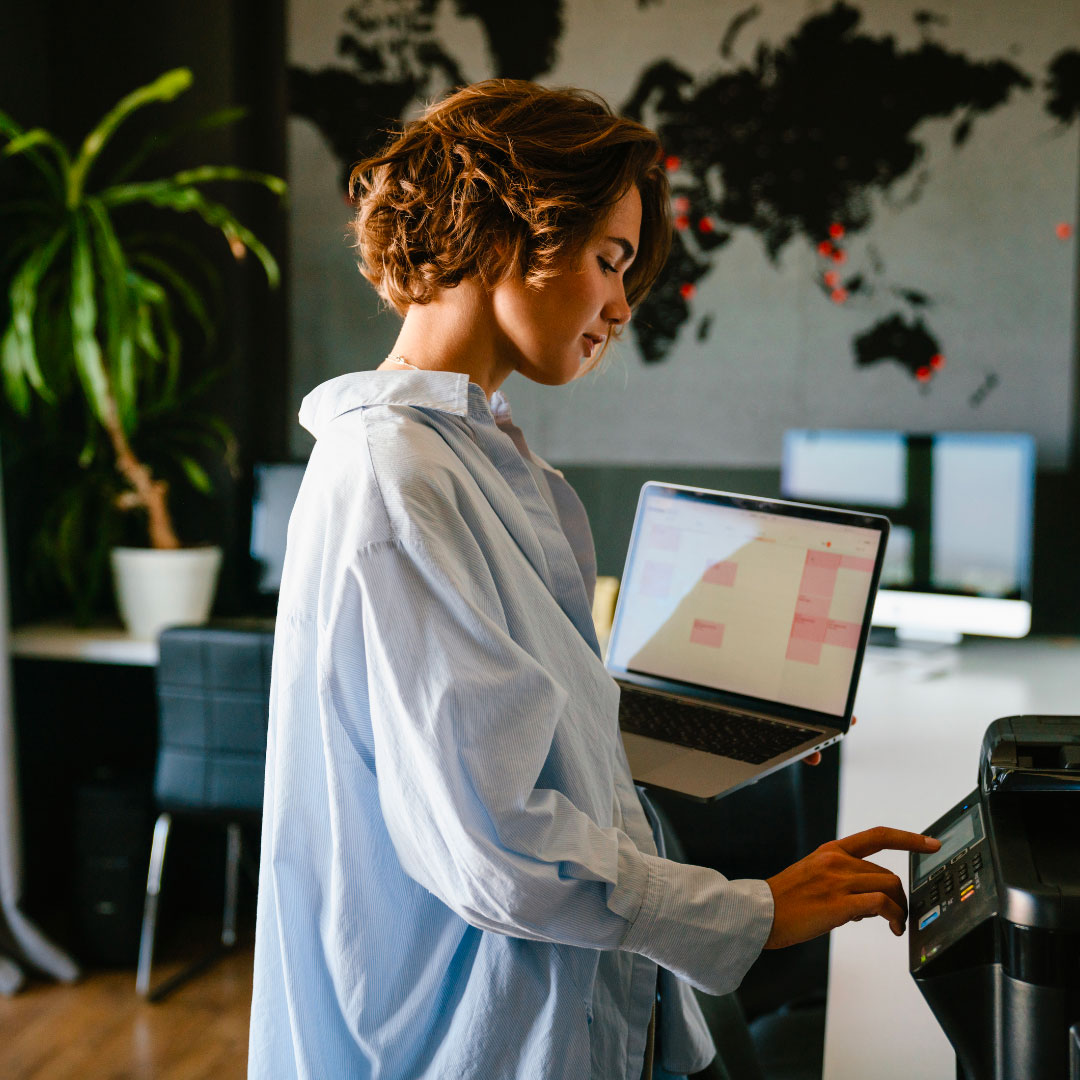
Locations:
column 458, row 877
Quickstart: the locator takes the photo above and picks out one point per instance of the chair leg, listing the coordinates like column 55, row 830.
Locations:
column 233, row 842
column 150, row 910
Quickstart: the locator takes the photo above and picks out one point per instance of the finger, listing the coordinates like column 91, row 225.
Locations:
column 854, row 721
column 865, row 866
column 886, row 883
column 882, row 838
column 861, row 905
column 813, row 759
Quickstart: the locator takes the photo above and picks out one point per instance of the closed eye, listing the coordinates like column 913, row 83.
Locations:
column 605, row 265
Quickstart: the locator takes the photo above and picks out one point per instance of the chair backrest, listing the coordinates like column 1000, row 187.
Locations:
column 213, row 691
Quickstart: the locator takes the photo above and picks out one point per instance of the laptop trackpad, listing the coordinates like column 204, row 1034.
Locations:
column 645, row 754
column 681, row 769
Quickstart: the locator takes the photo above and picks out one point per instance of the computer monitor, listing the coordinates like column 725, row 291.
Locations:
column 962, row 507
column 276, row 487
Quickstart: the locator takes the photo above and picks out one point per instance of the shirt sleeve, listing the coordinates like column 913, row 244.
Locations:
column 462, row 722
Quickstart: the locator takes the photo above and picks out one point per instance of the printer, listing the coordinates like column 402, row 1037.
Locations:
column 994, row 938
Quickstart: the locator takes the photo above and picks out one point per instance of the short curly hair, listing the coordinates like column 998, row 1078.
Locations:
column 504, row 177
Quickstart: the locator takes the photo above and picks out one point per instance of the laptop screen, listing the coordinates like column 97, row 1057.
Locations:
column 758, row 598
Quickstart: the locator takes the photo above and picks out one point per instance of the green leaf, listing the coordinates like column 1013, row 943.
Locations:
column 172, row 350
column 87, row 350
column 8, row 127
column 207, row 174
column 170, row 196
column 196, row 474
column 183, row 288
column 148, row 291
column 150, row 243
column 30, row 140
column 163, row 88
column 19, row 354
column 15, row 385
column 52, row 175
column 117, row 312
column 157, row 335
column 161, row 140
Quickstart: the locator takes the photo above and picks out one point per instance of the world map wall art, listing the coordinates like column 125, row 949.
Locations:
column 875, row 208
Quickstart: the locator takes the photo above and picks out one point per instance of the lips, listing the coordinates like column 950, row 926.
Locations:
column 591, row 342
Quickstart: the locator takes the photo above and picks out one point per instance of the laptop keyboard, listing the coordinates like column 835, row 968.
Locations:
column 730, row 734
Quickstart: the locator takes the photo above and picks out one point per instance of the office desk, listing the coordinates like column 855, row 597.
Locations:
column 913, row 755
column 91, row 644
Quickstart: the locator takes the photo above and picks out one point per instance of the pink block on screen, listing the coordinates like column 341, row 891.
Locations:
column 824, row 559
column 842, row 633
column 805, row 652
column 854, row 562
column 656, row 579
column 707, row 633
column 812, row 606
column 721, row 573
column 818, row 581
column 808, row 628
column 664, row 537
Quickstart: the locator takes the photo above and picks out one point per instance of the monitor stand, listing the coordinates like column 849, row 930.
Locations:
column 916, row 654
column 926, row 638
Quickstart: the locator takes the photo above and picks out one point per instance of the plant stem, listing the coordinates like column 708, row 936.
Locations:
column 145, row 490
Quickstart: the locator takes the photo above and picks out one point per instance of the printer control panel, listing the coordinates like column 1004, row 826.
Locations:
column 952, row 890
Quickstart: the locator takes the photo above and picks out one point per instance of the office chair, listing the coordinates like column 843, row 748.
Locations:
column 213, row 692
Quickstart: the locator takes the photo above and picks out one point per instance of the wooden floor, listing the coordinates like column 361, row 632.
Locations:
column 97, row 1029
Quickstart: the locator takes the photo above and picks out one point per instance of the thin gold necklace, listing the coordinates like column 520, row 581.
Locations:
column 401, row 360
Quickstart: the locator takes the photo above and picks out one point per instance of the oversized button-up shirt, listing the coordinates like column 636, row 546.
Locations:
column 458, row 878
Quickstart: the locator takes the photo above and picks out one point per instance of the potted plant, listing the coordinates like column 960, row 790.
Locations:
column 94, row 298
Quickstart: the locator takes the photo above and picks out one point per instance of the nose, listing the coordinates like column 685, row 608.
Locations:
column 617, row 311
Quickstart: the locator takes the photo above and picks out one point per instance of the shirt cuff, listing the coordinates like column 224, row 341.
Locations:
column 699, row 925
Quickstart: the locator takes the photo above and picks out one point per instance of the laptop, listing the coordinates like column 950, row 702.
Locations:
column 739, row 634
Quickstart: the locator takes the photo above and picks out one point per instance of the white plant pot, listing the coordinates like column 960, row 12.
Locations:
column 155, row 589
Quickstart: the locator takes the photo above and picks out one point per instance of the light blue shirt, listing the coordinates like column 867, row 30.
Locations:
column 458, row 878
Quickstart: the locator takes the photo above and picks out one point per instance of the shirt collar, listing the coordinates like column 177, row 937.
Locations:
column 444, row 391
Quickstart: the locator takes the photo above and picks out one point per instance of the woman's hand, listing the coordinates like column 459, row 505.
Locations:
column 835, row 884
column 815, row 757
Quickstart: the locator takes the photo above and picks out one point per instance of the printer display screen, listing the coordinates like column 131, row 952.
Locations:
column 961, row 833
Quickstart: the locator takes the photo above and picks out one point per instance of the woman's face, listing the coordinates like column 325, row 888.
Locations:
column 550, row 330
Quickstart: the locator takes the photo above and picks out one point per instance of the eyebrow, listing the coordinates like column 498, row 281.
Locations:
column 627, row 247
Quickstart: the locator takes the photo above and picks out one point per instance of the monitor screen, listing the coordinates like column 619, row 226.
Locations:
column 962, row 507
column 765, row 605
column 276, row 487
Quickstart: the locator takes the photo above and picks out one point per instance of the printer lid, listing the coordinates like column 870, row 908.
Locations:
column 1035, row 753
column 1029, row 780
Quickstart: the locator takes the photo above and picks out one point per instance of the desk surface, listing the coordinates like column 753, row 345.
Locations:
column 92, row 644
column 913, row 755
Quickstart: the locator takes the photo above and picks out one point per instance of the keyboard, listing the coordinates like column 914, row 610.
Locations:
column 730, row 734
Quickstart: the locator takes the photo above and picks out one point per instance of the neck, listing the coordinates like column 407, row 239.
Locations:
column 457, row 331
